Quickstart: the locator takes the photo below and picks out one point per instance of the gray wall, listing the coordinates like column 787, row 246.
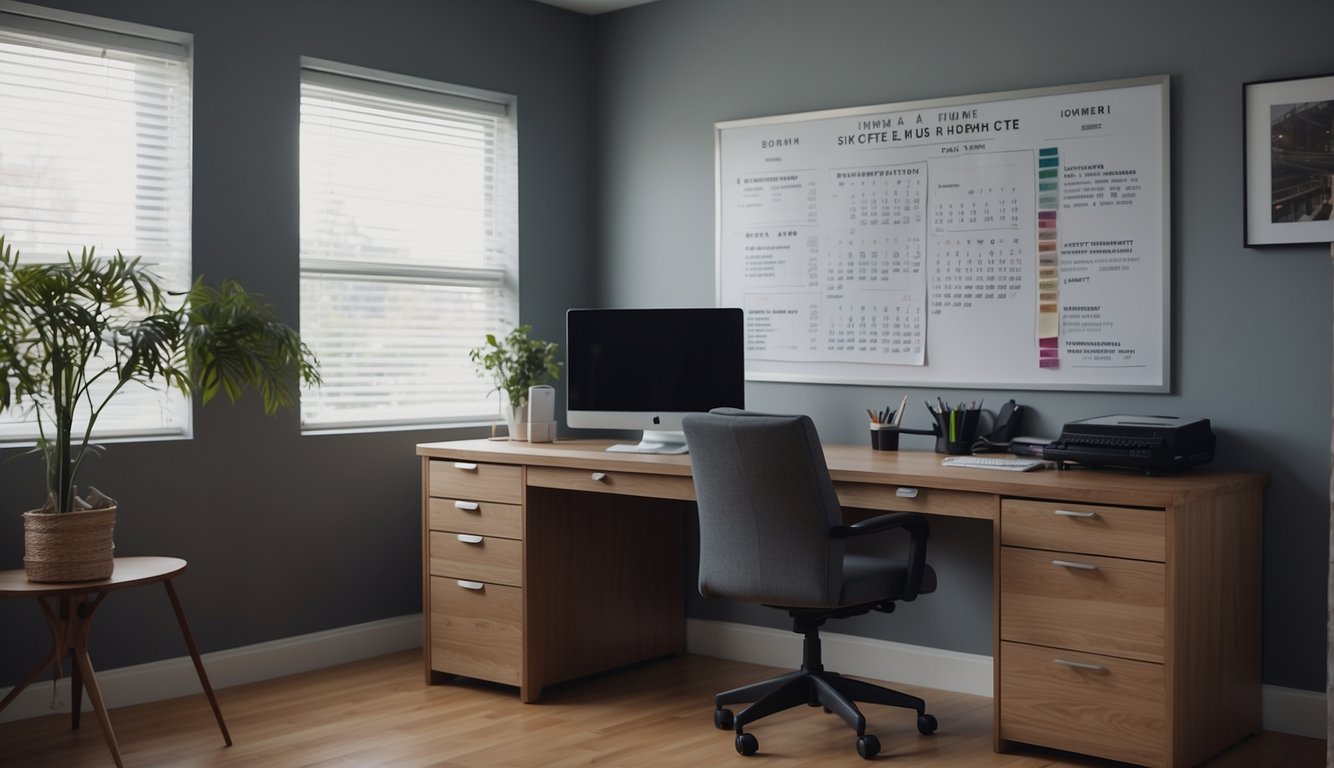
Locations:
column 1250, row 329
column 287, row 534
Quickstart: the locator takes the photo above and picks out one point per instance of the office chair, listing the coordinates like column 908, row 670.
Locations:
column 771, row 532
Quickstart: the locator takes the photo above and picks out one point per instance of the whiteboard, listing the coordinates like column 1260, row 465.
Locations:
column 1015, row 240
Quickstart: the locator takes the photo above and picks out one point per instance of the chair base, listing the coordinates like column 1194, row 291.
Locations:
column 830, row 690
column 815, row 687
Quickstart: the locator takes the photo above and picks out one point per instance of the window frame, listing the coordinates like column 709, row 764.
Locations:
column 505, row 278
column 141, row 40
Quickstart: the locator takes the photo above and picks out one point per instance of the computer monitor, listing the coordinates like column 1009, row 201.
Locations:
column 646, row 368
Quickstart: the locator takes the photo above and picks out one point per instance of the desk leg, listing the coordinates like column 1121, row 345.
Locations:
column 199, row 663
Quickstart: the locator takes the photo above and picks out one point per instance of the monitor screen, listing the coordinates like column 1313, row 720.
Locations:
column 646, row 368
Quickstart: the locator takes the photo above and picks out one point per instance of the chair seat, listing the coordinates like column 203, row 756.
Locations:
column 870, row 579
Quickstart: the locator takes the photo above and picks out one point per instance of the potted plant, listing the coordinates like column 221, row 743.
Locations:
column 74, row 334
column 516, row 363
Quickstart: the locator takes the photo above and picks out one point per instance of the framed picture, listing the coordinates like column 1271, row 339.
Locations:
column 1289, row 160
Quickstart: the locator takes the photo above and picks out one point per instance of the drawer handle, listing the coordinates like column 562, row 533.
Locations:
column 466, row 466
column 470, row 506
column 599, row 477
column 1074, row 513
column 469, row 538
column 1081, row 665
column 1079, row 566
column 470, row 584
column 906, row 493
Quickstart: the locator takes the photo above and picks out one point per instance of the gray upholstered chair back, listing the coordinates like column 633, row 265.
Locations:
column 766, row 505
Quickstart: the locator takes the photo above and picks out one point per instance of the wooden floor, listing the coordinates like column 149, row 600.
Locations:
column 380, row 713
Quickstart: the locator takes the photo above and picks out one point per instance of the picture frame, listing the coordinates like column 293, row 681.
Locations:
column 1288, row 157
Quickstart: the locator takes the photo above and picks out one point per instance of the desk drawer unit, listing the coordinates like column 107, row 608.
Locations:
column 474, row 552
column 1082, row 629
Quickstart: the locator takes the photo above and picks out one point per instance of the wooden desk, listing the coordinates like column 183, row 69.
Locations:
column 1127, row 607
column 68, row 608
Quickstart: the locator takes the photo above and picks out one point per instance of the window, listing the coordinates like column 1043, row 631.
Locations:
column 409, row 245
column 95, row 151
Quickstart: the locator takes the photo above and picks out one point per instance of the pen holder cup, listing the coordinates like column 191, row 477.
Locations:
column 884, row 437
column 956, row 431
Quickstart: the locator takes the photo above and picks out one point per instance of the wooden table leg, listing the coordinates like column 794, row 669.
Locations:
column 78, row 624
column 199, row 663
column 58, row 647
column 95, row 695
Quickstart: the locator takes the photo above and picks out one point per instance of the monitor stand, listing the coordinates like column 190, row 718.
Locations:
column 654, row 441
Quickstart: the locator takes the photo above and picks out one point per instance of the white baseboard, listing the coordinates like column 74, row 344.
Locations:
column 171, row 678
column 1285, row 710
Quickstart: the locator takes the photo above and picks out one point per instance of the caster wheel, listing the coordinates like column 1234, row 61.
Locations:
column 926, row 724
column 747, row 744
column 868, row 746
column 722, row 719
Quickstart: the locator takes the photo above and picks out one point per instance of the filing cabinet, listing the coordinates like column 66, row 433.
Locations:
column 1113, row 628
column 474, row 545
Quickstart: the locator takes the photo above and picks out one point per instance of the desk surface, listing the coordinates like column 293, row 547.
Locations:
column 861, row 464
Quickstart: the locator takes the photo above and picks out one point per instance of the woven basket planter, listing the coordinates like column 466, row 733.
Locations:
column 73, row 546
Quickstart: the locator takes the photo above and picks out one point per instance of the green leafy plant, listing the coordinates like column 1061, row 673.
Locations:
column 73, row 334
column 517, row 362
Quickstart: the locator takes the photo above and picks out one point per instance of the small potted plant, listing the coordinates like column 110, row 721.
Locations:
column 516, row 363
column 74, row 334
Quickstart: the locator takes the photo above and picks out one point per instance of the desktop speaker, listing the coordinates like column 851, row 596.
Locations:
column 541, row 414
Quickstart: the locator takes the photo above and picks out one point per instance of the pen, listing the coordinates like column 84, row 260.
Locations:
column 874, row 420
column 898, row 415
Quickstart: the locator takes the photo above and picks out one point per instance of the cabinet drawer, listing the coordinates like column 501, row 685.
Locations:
column 1096, row 705
column 481, row 517
column 624, row 483
column 491, row 559
column 1082, row 602
column 476, row 482
column 935, row 501
column 1097, row 530
column 477, row 631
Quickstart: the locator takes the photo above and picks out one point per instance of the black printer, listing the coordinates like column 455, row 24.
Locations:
column 1151, row 443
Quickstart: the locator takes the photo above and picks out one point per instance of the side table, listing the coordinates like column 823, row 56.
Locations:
column 68, row 608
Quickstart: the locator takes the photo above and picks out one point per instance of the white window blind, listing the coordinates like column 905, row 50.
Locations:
column 409, row 246
column 95, row 151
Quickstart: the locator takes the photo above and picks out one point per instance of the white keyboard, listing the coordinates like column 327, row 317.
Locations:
column 993, row 462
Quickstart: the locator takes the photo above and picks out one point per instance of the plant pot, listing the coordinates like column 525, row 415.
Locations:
column 516, row 421
column 74, row 546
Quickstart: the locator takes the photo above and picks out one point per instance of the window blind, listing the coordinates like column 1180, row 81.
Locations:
column 408, row 248
column 95, row 151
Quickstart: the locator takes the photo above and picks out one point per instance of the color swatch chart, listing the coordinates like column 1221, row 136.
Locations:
column 1049, row 258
